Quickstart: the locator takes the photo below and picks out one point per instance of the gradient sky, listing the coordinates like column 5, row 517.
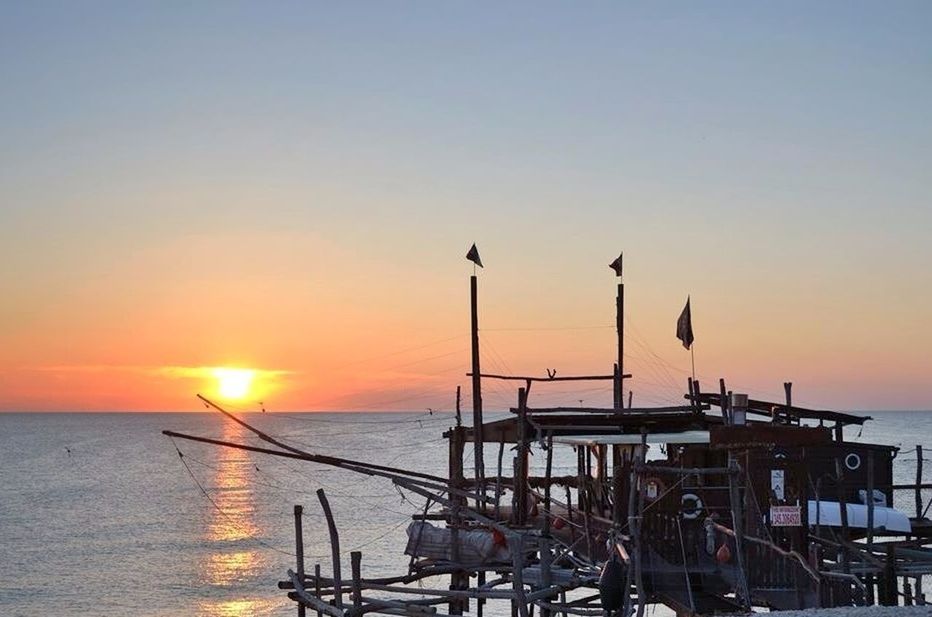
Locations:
column 291, row 187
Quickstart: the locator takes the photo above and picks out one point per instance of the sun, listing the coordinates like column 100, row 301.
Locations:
column 233, row 383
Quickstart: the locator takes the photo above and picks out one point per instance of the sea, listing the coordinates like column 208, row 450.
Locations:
column 102, row 514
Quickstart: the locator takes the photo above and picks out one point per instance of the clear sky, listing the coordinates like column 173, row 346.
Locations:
column 291, row 188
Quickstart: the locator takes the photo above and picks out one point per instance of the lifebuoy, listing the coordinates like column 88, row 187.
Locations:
column 853, row 461
column 693, row 511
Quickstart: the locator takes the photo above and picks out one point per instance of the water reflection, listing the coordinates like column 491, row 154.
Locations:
column 233, row 558
column 247, row 607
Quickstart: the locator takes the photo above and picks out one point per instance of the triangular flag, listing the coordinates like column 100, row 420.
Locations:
column 616, row 265
column 684, row 326
column 473, row 256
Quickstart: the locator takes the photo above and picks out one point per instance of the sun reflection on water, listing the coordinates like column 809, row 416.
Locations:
column 247, row 607
column 234, row 559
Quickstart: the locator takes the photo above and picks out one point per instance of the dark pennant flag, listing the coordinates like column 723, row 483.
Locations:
column 684, row 326
column 616, row 265
column 473, row 256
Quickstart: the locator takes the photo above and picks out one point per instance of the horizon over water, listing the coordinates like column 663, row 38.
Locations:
column 100, row 516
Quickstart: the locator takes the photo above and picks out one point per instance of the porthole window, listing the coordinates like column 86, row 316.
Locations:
column 853, row 461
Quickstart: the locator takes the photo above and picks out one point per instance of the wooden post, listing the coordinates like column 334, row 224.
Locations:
column 620, row 327
column 476, row 389
column 616, row 390
column 498, row 478
column 788, row 388
column 633, row 532
column 546, row 557
column 870, row 500
column 355, row 563
column 869, row 582
column 617, row 496
column 696, row 393
column 334, row 549
column 638, row 567
column 518, row 576
column 521, row 462
column 299, row 549
column 843, row 510
column 918, row 481
column 737, row 516
column 889, row 578
column 723, row 400
column 458, row 579
column 317, row 586
column 583, row 497
column 459, row 415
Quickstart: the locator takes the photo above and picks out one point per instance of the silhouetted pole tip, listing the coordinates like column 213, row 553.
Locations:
column 616, row 265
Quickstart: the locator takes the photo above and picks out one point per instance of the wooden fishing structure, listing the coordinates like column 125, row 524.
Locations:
column 720, row 505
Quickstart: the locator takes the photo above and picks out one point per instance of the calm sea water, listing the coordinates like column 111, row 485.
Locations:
column 118, row 526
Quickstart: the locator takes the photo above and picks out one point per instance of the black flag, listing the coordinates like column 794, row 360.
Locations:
column 616, row 265
column 684, row 326
column 473, row 256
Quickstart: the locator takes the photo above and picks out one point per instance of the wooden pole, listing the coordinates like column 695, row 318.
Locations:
column 355, row 563
column 617, row 496
column 696, row 393
column 616, row 391
column 870, row 500
column 583, row 497
column 521, row 462
column 476, row 386
column 918, row 481
column 737, row 515
column 459, row 399
column 636, row 532
column 317, row 586
column 546, row 556
column 843, row 511
column 299, row 549
column 889, row 578
column 870, row 521
column 518, row 576
column 723, row 401
column 633, row 532
column 498, row 478
column 458, row 579
column 620, row 327
column 788, row 388
column 334, row 549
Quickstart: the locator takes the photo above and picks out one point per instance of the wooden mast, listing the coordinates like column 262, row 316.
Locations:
column 620, row 327
column 476, row 386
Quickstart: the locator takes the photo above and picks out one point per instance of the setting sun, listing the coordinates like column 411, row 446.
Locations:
column 233, row 383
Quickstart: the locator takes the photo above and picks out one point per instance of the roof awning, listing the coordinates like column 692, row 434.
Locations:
column 829, row 513
column 633, row 438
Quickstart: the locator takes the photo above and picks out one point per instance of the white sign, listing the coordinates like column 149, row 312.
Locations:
column 777, row 484
column 785, row 516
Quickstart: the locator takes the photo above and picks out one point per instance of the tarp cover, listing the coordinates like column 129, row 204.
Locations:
column 476, row 547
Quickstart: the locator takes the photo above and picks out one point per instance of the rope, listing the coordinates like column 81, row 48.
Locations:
column 221, row 510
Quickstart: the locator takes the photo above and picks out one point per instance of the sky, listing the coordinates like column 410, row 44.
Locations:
column 290, row 188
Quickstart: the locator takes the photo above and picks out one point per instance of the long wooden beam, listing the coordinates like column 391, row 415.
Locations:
column 359, row 466
column 554, row 378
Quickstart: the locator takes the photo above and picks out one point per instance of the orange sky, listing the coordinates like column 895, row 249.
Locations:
column 327, row 330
